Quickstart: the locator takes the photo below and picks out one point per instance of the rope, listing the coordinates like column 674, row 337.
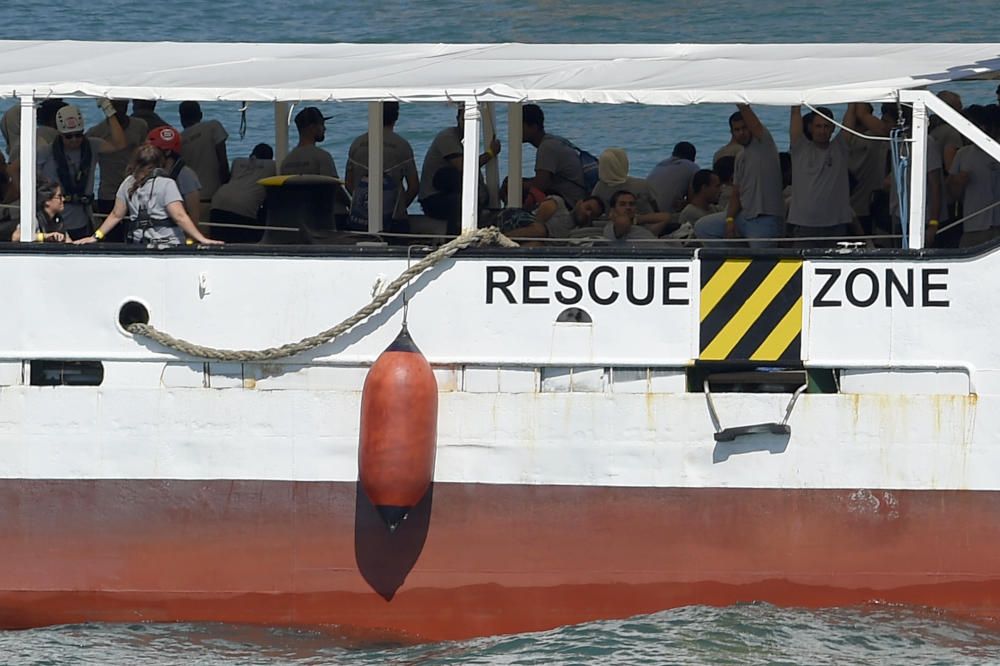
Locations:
column 479, row 237
column 869, row 137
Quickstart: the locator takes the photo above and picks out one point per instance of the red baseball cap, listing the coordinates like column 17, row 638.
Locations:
column 165, row 138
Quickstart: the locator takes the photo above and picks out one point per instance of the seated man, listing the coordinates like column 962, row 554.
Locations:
column 613, row 175
column 670, row 178
column 557, row 163
column 441, row 175
column 624, row 225
column 703, row 198
column 553, row 219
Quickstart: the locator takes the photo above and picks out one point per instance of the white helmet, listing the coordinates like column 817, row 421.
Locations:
column 69, row 120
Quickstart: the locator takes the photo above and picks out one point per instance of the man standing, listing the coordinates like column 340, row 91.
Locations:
column 203, row 147
column 756, row 206
column 145, row 110
column 71, row 160
column 821, row 194
column 400, row 182
column 113, row 165
column 307, row 157
column 557, row 163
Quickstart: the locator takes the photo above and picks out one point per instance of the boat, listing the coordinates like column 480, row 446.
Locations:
column 608, row 440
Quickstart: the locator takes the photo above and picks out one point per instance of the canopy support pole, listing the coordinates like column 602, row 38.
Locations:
column 28, row 166
column 955, row 119
column 375, row 140
column 280, row 132
column 515, row 154
column 918, row 175
column 493, row 166
column 470, row 166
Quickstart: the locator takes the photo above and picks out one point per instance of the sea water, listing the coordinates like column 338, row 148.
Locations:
column 746, row 634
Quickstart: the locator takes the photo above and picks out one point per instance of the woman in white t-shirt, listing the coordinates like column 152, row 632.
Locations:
column 153, row 203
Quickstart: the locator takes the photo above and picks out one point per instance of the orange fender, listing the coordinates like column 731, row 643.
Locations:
column 398, row 437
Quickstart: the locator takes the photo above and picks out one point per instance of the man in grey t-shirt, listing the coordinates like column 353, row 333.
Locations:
column 821, row 195
column 756, row 206
column 441, row 174
column 557, row 163
column 671, row 178
column 398, row 165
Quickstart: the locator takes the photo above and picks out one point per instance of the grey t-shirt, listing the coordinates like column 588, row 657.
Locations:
column 397, row 163
column 150, row 201
column 821, row 194
column 199, row 153
column 692, row 214
column 74, row 215
column 309, row 159
column 242, row 195
column 670, row 180
column 558, row 157
column 446, row 145
column 113, row 165
column 758, row 175
column 561, row 222
column 982, row 189
column 866, row 161
column 645, row 199
column 946, row 136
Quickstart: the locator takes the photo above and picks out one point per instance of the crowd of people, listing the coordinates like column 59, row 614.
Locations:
column 834, row 183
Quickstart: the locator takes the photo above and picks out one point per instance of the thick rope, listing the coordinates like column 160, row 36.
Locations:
column 479, row 237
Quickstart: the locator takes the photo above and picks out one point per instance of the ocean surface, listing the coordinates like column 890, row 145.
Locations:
column 748, row 634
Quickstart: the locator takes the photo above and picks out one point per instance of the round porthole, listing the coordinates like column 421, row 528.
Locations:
column 132, row 312
column 574, row 316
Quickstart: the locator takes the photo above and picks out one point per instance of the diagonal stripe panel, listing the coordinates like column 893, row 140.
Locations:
column 725, row 340
column 782, row 336
column 720, row 283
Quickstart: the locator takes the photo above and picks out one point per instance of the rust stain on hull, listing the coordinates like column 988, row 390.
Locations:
column 494, row 559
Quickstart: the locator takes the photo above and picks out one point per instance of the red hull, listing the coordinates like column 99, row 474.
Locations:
column 477, row 559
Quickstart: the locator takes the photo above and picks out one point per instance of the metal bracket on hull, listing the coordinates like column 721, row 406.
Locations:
column 730, row 434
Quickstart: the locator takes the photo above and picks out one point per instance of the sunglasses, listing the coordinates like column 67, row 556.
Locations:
column 75, row 135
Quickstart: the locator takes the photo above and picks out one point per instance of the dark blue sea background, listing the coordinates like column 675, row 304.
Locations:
column 746, row 634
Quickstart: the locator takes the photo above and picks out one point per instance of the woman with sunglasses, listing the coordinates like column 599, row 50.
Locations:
column 50, row 201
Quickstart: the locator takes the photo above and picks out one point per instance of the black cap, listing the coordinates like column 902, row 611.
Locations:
column 309, row 116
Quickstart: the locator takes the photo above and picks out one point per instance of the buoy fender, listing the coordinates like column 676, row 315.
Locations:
column 398, row 435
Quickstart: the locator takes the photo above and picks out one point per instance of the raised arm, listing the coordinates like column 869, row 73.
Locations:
column 795, row 124
column 850, row 117
column 869, row 121
column 751, row 120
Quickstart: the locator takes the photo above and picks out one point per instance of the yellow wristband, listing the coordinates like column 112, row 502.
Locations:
column 730, row 220
column 490, row 154
column 40, row 237
column 99, row 235
column 934, row 223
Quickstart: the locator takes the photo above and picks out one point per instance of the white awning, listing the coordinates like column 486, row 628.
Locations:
column 658, row 74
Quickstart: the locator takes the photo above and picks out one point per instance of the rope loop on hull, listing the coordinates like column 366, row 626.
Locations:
column 477, row 237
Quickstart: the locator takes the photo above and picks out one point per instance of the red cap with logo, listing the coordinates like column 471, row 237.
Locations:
column 165, row 138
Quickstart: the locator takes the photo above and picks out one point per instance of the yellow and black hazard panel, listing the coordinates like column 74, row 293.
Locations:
column 751, row 310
